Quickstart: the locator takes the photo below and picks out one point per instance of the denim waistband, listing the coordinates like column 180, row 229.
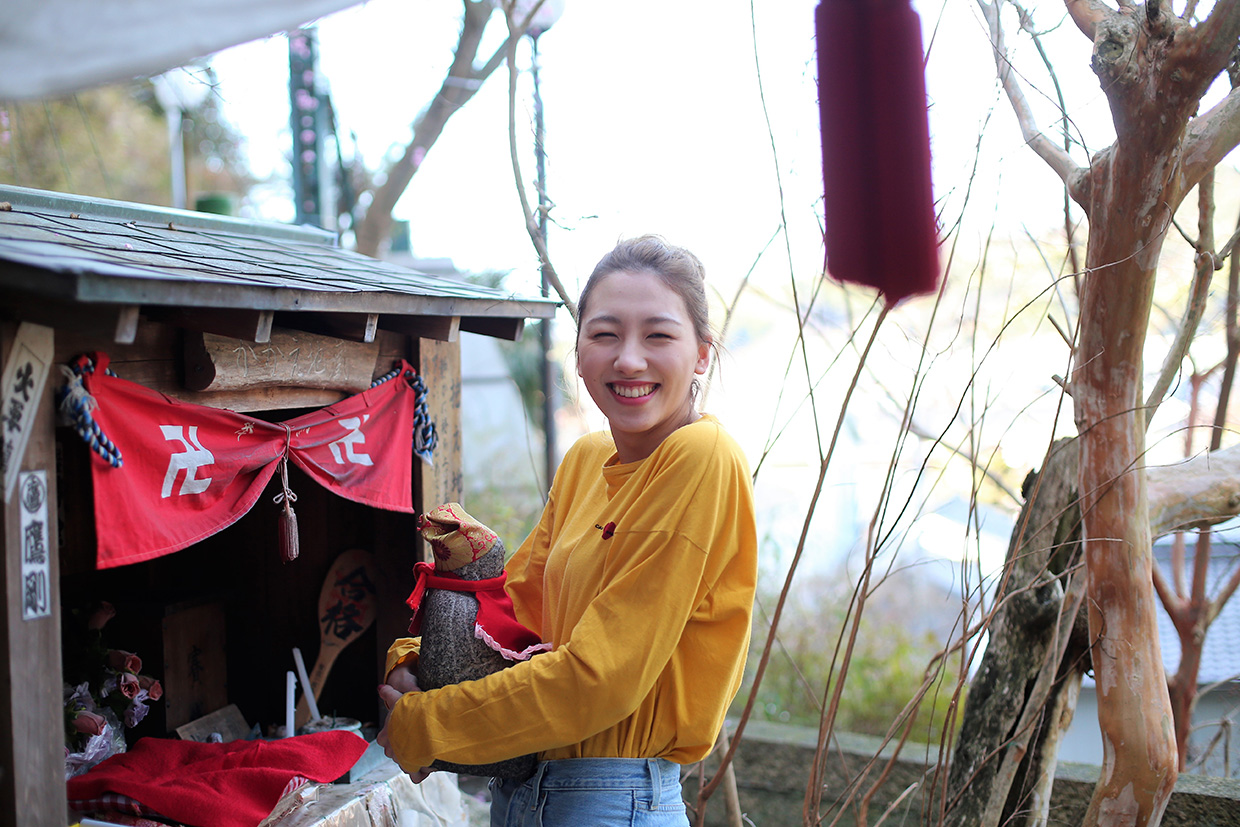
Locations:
column 657, row 774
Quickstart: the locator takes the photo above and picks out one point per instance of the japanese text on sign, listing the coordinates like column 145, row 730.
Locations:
column 25, row 373
column 36, row 563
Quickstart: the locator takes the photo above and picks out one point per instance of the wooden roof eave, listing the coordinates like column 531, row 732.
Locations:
column 108, row 264
column 233, row 309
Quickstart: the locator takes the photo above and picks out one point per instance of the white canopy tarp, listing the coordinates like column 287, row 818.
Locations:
column 56, row 47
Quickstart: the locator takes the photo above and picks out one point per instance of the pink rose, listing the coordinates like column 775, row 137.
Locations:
column 122, row 661
column 154, row 690
column 101, row 616
column 89, row 723
column 128, row 684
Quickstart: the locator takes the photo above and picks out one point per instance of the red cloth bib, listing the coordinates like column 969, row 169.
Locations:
column 497, row 623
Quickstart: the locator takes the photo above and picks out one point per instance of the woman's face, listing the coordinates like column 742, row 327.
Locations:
column 637, row 353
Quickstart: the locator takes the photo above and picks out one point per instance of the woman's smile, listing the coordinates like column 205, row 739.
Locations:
column 636, row 392
column 638, row 355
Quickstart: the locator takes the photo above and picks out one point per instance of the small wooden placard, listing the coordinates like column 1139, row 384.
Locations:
column 290, row 359
column 228, row 722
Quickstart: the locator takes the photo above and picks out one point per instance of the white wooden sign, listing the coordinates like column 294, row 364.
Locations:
column 36, row 551
column 24, row 376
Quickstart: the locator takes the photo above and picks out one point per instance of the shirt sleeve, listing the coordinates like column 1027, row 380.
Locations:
column 403, row 650
column 654, row 579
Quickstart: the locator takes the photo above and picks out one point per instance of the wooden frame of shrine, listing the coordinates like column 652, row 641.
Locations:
column 261, row 322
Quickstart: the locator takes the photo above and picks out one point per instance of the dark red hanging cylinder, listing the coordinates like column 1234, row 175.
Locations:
column 879, row 203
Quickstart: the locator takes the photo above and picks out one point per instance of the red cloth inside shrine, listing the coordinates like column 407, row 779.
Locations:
column 189, row 470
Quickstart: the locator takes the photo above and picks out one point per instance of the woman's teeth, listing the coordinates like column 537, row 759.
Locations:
column 633, row 391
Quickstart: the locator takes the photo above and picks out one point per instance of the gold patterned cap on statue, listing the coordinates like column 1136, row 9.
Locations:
column 456, row 538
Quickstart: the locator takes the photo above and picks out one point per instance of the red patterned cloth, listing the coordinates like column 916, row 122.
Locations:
column 496, row 625
column 216, row 785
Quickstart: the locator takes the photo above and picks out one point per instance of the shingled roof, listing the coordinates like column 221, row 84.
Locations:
column 82, row 254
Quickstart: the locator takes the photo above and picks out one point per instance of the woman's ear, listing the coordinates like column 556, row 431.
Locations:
column 703, row 362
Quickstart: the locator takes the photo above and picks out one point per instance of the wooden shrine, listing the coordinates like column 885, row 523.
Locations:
column 269, row 320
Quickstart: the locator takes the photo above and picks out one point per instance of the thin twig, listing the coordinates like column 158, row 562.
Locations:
column 1203, row 273
column 531, row 222
column 796, row 558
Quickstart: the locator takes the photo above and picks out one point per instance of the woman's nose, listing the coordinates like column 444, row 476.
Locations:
column 630, row 358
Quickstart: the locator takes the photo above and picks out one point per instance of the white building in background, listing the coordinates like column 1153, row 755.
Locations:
column 499, row 444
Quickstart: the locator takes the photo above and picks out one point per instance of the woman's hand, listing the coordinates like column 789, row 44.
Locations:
column 402, row 679
column 390, row 694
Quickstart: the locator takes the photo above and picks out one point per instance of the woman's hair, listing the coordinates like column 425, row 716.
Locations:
column 678, row 268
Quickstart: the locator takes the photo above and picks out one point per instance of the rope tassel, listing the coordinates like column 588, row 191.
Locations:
column 289, row 548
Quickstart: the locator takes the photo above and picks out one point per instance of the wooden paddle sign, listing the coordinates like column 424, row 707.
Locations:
column 346, row 609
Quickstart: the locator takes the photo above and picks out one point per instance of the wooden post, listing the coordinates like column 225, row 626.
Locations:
column 32, row 781
column 439, row 363
column 397, row 544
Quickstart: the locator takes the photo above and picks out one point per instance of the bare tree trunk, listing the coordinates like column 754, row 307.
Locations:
column 1154, row 68
column 1130, row 194
column 991, row 746
column 1030, row 805
column 1134, row 713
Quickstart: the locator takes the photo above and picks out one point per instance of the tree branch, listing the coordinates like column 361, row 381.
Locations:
column 1224, row 594
column 1055, row 157
column 1210, row 137
column 1163, row 589
column 1087, row 13
column 459, row 86
column 531, row 222
column 1210, row 44
column 1196, row 493
column 1203, row 274
column 1232, row 335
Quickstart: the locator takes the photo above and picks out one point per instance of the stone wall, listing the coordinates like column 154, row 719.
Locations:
column 773, row 765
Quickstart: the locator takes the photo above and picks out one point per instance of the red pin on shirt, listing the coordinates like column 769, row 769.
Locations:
column 879, row 204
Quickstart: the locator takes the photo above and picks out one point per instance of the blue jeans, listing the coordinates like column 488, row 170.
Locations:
column 592, row 792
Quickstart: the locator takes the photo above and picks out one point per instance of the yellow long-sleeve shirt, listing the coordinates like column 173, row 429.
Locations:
column 642, row 577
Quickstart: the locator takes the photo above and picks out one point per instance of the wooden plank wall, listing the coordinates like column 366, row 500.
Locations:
column 32, row 786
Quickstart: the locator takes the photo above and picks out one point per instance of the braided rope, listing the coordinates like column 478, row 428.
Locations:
column 425, row 437
column 75, row 405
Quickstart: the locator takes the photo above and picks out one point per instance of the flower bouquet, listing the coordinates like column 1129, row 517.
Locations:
column 104, row 692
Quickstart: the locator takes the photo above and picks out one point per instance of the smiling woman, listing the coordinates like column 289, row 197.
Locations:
column 639, row 346
column 640, row 575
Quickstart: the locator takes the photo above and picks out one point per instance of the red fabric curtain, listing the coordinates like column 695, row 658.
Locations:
column 190, row 470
